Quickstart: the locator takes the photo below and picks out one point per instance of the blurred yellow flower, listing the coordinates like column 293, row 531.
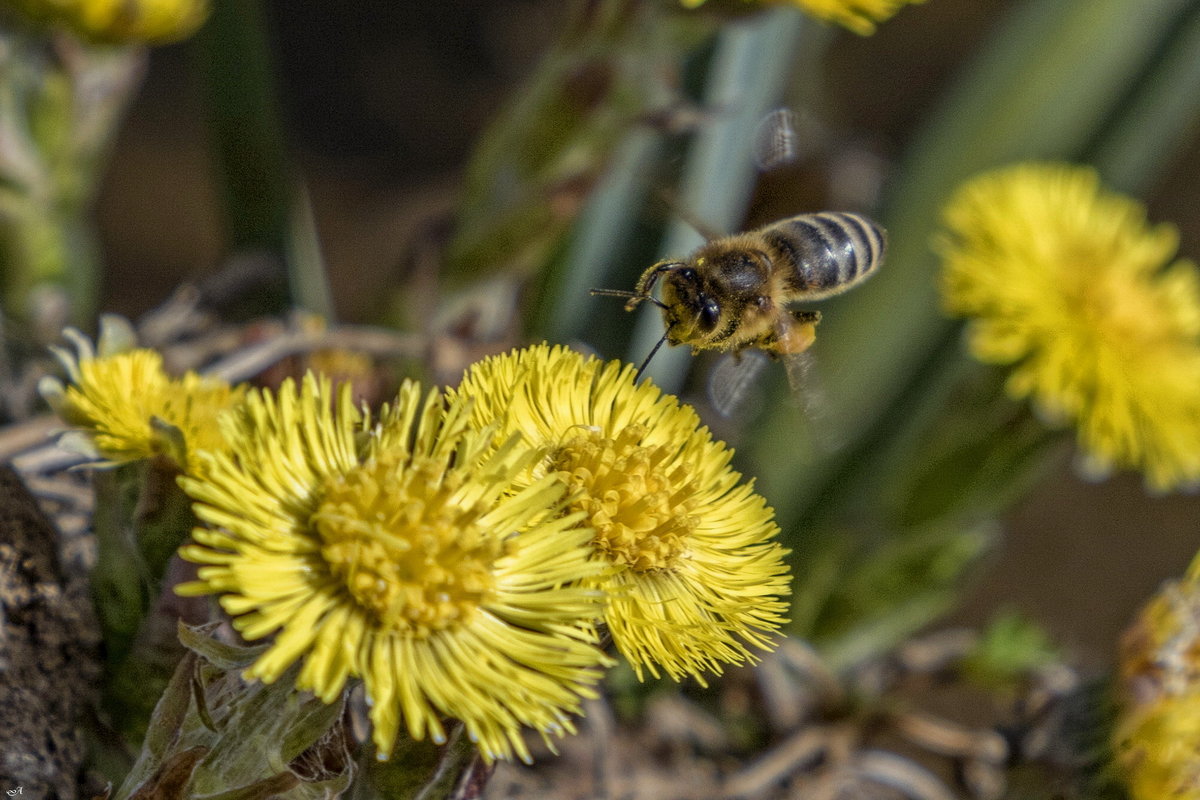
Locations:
column 1070, row 284
column 399, row 551
column 126, row 406
column 1157, row 735
column 150, row 21
column 694, row 572
column 859, row 16
column 1159, row 749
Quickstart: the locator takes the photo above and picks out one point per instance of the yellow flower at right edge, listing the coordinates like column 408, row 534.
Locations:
column 695, row 574
column 1069, row 284
column 859, row 16
column 1156, row 739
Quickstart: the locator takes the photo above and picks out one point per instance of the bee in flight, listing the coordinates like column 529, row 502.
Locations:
column 734, row 293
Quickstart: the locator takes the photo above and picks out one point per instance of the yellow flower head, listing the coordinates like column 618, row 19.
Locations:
column 1158, row 749
column 859, row 16
column 128, row 408
column 1157, row 736
column 694, row 574
column 1160, row 652
column 399, row 552
column 1070, row 284
column 150, row 21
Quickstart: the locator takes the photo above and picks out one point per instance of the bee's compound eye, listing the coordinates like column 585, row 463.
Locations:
column 688, row 274
column 710, row 312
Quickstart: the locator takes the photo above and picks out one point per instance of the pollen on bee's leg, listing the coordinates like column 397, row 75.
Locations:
column 798, row 337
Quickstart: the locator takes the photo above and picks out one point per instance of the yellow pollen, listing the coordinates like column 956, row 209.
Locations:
column 408, row 553
column 639, row 505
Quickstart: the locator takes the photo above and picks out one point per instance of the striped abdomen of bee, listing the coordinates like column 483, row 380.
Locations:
column 820, row 255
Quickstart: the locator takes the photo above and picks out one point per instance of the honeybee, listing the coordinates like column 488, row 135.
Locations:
column 734, row 293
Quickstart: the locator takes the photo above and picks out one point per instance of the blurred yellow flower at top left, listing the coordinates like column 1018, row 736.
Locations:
column 124, row 21
column 860, row 16
column 128, row 408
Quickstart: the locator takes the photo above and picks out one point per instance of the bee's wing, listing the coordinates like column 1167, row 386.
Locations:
column 808, row 389
column 731, row 380
column 799, row 367
column 775, row 141
column 783, row 137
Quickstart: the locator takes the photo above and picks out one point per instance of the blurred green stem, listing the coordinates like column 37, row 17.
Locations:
column 266, row 209
column 548, row 145
column 245, row 124
column 1162, row 107
column 61, row 102
column 599, row 242
column 608, row 89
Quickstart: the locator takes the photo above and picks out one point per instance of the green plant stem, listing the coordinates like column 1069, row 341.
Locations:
column 598, row 243
column 247, row 135
column 1165, row 102
column 607, row 74
column 61, row 102
column 245, row 124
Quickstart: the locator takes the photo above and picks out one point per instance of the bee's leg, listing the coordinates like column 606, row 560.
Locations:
column 799, row 334
column 767, row 342
column 645, row 284
column 792, row 334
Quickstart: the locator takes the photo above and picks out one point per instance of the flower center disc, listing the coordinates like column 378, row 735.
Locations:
column 1123, row 310
column 407, row 552
column 638, row 504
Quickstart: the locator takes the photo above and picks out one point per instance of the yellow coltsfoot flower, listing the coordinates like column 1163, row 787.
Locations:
column 1156, row 739
column 1157, row 749
column 694, row 574
column 126, row 407
column 399, row 551
column 149, row 21
column 860, row 16
column 1069, row 284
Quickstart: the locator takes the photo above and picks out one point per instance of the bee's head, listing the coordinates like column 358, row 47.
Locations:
column 691, row 311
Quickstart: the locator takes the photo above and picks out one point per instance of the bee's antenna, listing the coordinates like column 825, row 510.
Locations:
column 629, row 295
column 645, row 362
